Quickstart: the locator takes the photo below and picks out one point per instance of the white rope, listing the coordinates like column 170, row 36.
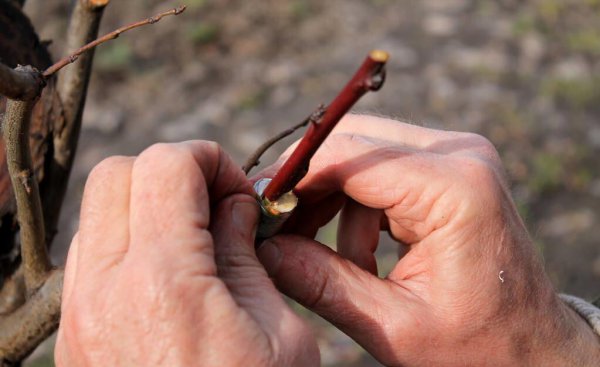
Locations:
column 585, row 309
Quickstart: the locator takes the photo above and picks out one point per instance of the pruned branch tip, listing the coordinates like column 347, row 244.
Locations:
column 96, row 3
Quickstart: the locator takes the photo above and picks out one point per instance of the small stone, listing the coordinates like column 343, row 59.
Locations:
column 490, row 58
column 281, row 96
column 593, row 136
column 106, row 119
column 446, row 5
column 182, row 128
column 403, row 55
column 569, row 222
column 439, row 25
column 281, row 72
column 532, row 50
column 572, row 68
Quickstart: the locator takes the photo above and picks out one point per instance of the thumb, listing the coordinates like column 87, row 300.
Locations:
column 354, row 300
column 234, row 230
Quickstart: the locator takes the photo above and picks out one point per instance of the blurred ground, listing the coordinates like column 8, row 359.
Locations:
column 524, row 74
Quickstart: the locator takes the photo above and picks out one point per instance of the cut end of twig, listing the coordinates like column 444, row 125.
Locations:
column 378, row 59
column 285, row 204
column 379, row 56
column 96, row 4
column 273, row 213
column 180, row 9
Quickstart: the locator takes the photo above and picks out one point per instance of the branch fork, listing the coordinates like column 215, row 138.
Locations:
column 37, row 312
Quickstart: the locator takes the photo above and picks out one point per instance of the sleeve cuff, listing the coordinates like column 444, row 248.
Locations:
column 585, row 309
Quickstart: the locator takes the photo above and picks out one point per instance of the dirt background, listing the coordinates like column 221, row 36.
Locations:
column 524, row 74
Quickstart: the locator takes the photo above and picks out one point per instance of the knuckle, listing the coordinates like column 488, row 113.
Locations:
column 315, row 299
column 344, row 145
column 486, row 146
column 480, row 184
column 178, row 156
column 106, row 169
column 320, row 297
column 326, row 290
column 164, row 158
column 348, row 138
column 75, row 319
column 160, row 151
column 483, row 148
column 477, row 172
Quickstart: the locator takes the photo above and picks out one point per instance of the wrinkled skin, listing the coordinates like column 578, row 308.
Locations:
column 469, row 290
column 162, row 271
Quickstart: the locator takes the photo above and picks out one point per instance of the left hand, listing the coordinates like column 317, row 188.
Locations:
column 163, row 269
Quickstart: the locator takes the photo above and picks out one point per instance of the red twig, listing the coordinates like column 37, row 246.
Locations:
column 112, row 35
column 369, row 77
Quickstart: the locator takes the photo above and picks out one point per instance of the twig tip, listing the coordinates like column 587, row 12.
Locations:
column 379, row 55
column 98, row 3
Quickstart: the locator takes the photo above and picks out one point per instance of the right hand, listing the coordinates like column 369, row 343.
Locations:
column 470, row 289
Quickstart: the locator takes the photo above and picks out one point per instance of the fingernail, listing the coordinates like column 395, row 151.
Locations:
column 245, row 217
column 270, row 256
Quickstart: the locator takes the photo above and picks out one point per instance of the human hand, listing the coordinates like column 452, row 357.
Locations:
column 470, row 289
column 163, row 272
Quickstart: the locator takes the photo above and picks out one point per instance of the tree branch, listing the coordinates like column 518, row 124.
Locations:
column 34, row 253
column 32, row 323
column 72, row 89
column 20, row 83
column 110, row 36
column 254, row 159
column 369, row 77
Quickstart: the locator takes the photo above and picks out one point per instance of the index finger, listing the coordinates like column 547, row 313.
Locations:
column 408, row 184
column 406, row 135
